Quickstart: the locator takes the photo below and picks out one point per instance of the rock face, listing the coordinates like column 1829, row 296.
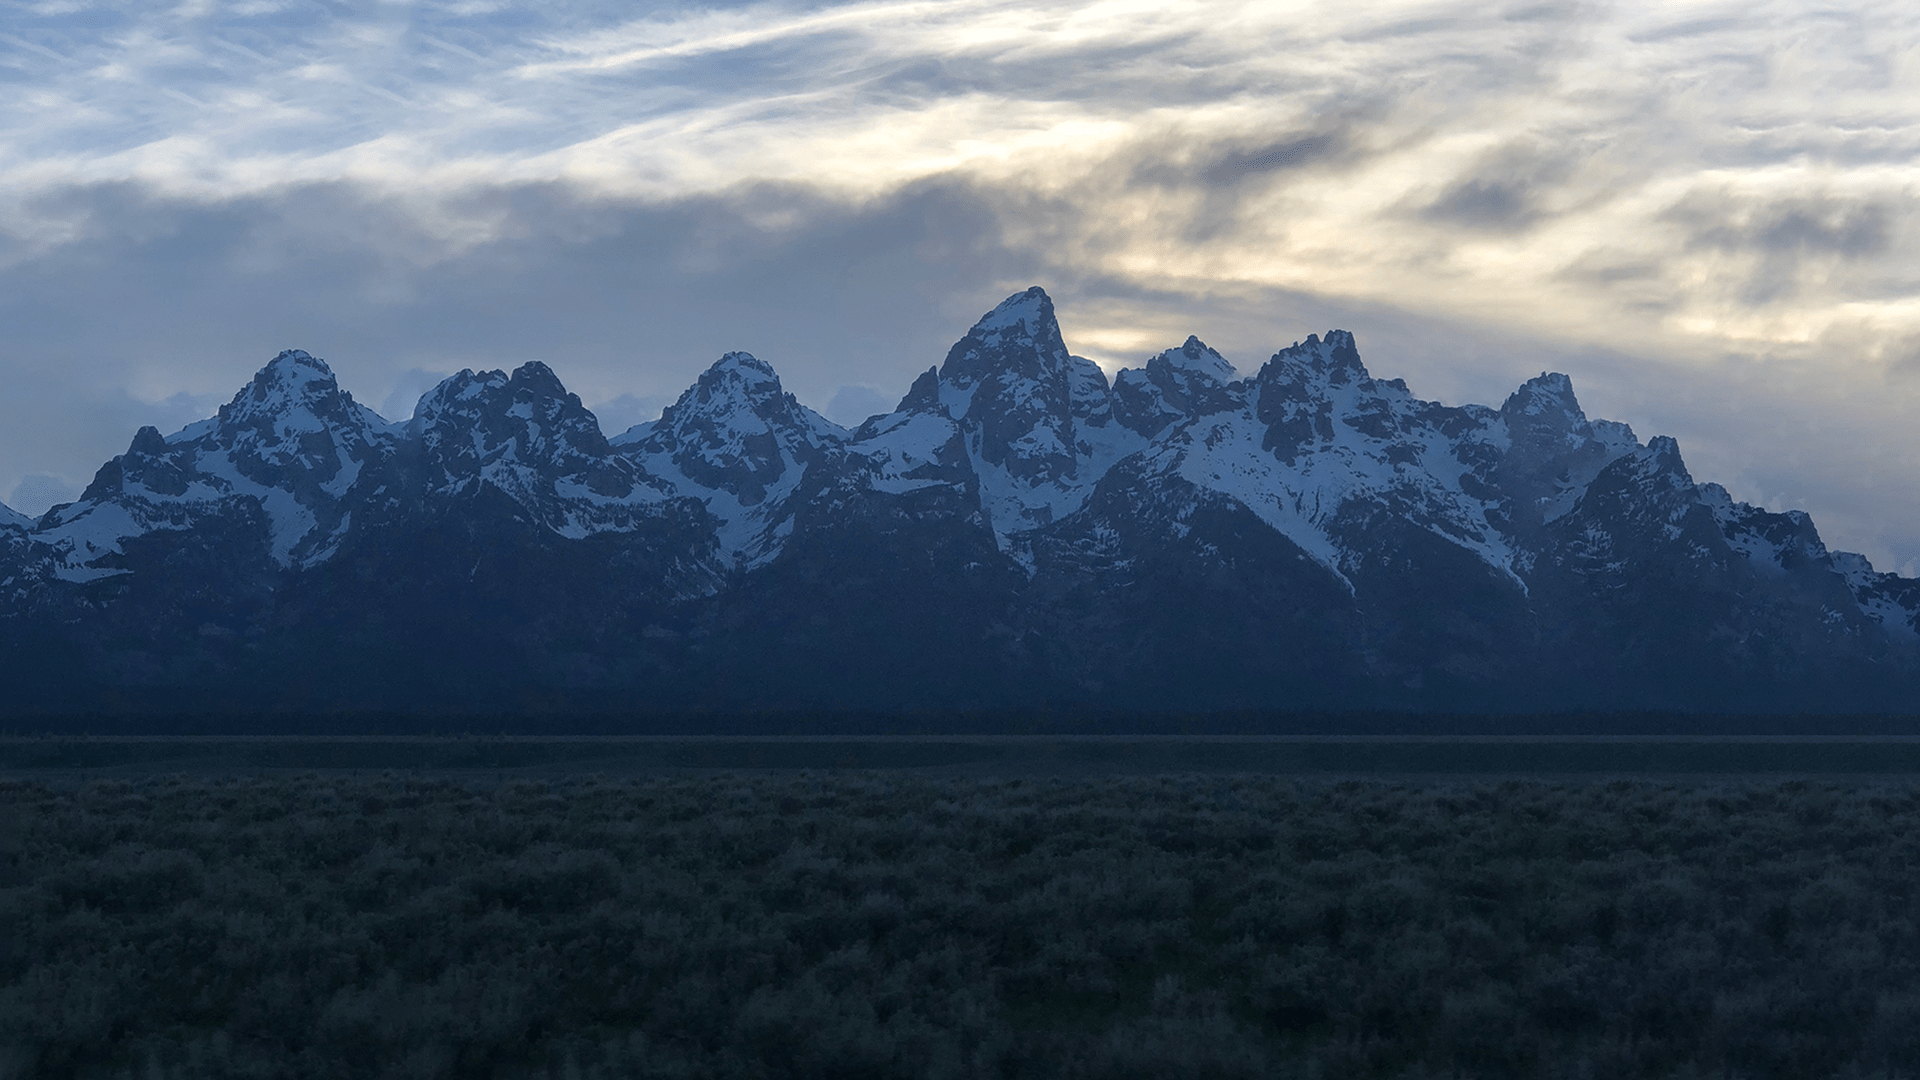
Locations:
column 1018, row 530
column 741, row 445
column 291, row 449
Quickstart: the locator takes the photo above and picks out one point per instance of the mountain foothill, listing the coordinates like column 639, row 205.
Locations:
column 1021, row 530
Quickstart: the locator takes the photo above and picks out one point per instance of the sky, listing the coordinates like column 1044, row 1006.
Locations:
column 1703, row 213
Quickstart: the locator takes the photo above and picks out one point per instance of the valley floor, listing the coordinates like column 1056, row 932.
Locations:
column 845, row 922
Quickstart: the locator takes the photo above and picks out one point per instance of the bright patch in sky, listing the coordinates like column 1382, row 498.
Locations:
column 1704, row 211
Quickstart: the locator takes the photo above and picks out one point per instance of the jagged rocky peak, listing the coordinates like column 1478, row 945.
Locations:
column 1853, row 565
column 1553, row 450
column 294, row 376
column 531, row 394
column 1543, row 412
column 1787, row 540
column 291, row 443
column 739, row 390
column 1013, row 382
column 476, row 419
column 922, row 396
column 295, row 394
column 290, row 429
column 1333, row 360
column 1018, row 341
column 147, row 442
column 739, row 372
column 1659, row 472
column 1639, row 506
column 149, row 465
column 458, row 394
column 1173, row 385
column 1296, row 387
column 13, row 519
column 735, row 429
column 524, row 435
column 1021, row 330
column 1193, row 359
column 291, row 425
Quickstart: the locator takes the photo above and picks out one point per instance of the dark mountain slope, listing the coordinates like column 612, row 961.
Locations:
column 1020, row 532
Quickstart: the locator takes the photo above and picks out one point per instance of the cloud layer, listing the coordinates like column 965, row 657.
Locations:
column 1705, row 212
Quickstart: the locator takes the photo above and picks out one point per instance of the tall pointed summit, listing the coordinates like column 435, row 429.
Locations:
column 1038, row 422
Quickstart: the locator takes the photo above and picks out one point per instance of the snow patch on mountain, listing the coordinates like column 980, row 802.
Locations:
column 1037, row 424
column 1552, row 451
column 742, row 445
column 1223, row 453
column 1021, row 435
column 1174, row 385
column 1314, row 433
column 1783, row 543
column 524, row 435
column 1773, row 543
column 1887, row 599
column 291, row 442
column 909, row 450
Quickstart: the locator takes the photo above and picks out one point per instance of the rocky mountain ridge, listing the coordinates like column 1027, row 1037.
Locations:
column 1019, row 529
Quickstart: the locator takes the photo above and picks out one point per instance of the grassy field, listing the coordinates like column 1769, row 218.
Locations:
column 878, row 924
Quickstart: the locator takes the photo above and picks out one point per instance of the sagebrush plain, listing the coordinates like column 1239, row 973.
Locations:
column 885, row 924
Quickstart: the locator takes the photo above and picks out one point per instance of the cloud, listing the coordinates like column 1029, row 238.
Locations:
column 1793, row 227
column 36, row 493
column 1806, row 246
column 1696, row 207
column 59, row 423
column 617, row 414
column 408, row 387
column 850, row 406
column 1237, row 165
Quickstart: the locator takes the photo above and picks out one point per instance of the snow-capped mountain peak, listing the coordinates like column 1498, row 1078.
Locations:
column 1038, row 423
column 292, row 374
column 1023, row 317
column 1196, row 358
column 1014, row 362
column 1173, row 385
column 291, row 443
column 738, row 442
column 294, row 395
column 1543, row 412
column 1553, row 451
column 739, row 395
column 528, row 416
column 1332, row 360
column 526, row 436
column 1311, row 516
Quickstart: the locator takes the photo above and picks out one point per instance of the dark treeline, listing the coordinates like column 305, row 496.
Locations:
column 559, row 715
column 501, row 757
column 881, row 925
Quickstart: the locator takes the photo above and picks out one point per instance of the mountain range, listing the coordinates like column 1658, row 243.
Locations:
column 1021, row 530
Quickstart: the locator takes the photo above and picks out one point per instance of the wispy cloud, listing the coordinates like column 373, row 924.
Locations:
column 1711, row 188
